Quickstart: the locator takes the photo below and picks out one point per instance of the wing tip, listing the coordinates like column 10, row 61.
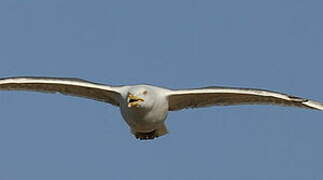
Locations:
column 314, row 105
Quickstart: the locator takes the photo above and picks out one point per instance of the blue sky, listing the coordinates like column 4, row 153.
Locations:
column 274, row 45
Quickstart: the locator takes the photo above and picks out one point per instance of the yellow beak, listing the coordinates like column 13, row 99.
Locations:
column 134, row 101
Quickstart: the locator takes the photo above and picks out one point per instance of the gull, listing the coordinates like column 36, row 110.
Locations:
column 145, row 107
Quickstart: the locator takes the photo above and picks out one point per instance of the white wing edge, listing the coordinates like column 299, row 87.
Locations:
column 211, row 90
column 63, row 81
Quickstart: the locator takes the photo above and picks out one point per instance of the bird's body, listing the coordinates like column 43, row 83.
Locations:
column 146, row 121
column 145, row 107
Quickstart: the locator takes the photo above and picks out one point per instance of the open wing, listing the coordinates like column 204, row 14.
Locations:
column 223, row 96
column 67, row 86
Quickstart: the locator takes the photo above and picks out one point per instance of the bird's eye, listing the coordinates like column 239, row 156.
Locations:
column 145, row 92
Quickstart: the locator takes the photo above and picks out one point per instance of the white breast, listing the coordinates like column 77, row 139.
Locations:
column 146, row 120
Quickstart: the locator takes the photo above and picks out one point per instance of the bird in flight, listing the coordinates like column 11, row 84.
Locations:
column 145, row 107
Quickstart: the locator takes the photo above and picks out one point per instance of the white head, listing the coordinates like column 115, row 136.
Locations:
column 140, row 97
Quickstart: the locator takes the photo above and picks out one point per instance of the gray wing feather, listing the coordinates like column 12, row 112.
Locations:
column 66, row 86
column 223, row 96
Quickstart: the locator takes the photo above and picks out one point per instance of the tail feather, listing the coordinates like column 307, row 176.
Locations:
column 160, row 131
